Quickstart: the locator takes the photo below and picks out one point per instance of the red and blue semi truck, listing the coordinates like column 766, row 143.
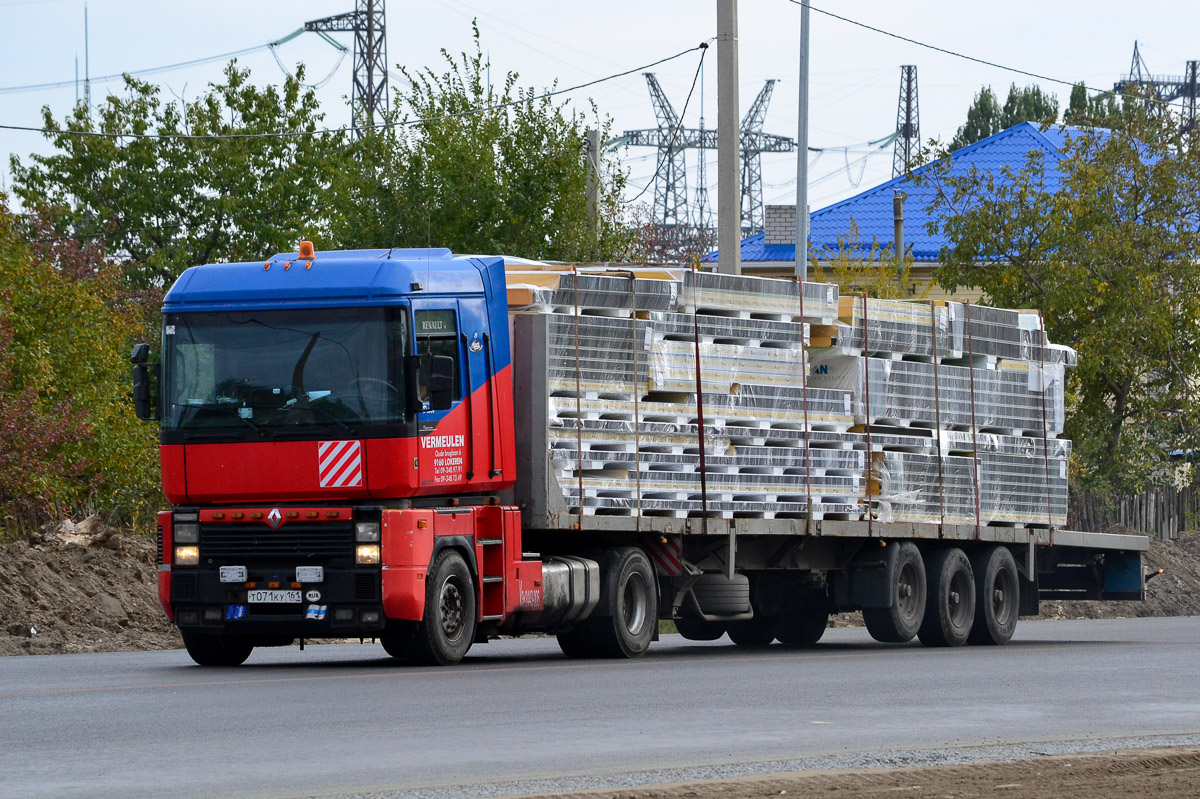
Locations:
column 353, row 446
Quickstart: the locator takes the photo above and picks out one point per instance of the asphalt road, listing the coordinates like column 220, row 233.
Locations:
column 347, row 720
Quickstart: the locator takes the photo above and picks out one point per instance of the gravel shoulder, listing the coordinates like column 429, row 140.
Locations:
column 1120, row 774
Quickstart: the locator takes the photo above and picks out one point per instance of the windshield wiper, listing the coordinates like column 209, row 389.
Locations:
column 234, row 413
column 317, row 409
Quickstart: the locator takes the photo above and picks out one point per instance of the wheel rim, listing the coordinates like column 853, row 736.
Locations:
column 907, row 598
column 1002, row 594
column 634, row 598
column 956, row 603
column 453, row 608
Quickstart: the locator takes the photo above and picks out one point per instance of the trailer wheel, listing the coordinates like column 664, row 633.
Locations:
column 208, row 649
column 443, row 637
column 997, row 596
column 699, row 630
column 803, row 626
column 630, row 597
column 906, row 585
column 758, row 631
column 950, row 609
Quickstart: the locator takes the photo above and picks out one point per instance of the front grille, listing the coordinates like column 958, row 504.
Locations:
column 366, row 587
column 183, row 587
column 293, row 542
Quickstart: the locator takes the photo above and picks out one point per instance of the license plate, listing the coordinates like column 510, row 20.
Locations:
column 273, row 597
column 310, row 574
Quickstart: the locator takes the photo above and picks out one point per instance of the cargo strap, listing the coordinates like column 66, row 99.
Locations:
column 867, row 415
column 937, row 411
column 699, row 404
column 974, row 425
column 1045, row 423
column 578, row 400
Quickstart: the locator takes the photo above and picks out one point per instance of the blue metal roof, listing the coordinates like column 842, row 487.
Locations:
column 872, row 209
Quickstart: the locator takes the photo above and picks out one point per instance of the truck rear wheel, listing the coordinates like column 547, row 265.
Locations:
column 906, row 587
column 629, row 602
column 803, row 626
column 950, row 609
column 997, row 596
column 208, row 649
column 443, row 637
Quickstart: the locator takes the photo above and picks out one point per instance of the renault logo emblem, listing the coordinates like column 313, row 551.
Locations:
column 274, row 519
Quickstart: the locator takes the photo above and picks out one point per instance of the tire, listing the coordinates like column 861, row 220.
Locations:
column 906, row 585
column 698, row 630
column 802, row 627
column 758, row 631
column 577, row 643
column 997, row 596
column 720, row 596
column 216, row 650
column 443, row 637
column 395, row 639
column 629, row 601
column 950, row 610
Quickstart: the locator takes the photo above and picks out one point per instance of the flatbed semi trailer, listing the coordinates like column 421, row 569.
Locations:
column 376, row 444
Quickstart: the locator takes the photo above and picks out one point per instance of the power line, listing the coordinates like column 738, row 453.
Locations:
column 379, row 126
column 954, row 53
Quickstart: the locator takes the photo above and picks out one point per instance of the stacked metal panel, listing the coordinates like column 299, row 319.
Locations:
column 955, row 423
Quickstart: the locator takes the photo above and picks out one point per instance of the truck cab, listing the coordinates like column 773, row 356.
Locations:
column 324, row 418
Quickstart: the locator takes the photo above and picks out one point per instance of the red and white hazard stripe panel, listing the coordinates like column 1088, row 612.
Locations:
column 339, row 463
column 667, row 555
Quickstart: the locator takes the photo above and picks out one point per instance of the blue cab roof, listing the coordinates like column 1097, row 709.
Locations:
column 334, row 278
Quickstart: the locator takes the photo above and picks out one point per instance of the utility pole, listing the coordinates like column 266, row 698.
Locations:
column 729, row 208
column 898, row 198
column 593, row 174
column 802, row 154
column 87, row 74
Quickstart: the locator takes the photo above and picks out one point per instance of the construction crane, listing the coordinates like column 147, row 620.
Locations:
column 369, row 95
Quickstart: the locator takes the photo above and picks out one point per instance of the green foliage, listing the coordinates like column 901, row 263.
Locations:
column 1084, row 110
column 68, row 437
column 1110, row 256
column 167, row 204
column 986, row 117
column 512, row 180
column 857, row 268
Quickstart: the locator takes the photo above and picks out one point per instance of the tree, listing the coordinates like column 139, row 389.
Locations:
column 1108, row 249
column 986, row 117
column 68, row 437
column 169, row 203
column 478, row 168
column 1084, row 110
column 857, row 268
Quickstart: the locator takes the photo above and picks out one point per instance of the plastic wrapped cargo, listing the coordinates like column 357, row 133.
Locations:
column 759, row 295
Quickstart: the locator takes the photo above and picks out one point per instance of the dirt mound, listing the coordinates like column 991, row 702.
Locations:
column 90, row 588
column 81, row 588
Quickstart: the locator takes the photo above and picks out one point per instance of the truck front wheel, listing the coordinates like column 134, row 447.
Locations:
column 443, row 637
column 208, row 649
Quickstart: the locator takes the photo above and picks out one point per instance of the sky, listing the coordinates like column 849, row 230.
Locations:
column 854, row 86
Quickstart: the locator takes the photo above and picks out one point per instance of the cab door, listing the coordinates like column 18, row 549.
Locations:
column 442, row 452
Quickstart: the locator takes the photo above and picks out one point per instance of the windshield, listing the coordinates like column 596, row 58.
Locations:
column 273, row 370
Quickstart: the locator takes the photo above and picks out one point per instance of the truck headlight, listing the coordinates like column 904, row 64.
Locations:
column 186, row 533
column 364, row 554
column 366, row 531
column 187, row 556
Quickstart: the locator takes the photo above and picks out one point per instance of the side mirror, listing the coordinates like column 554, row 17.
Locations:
column 441, row 382
column 143, row 404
